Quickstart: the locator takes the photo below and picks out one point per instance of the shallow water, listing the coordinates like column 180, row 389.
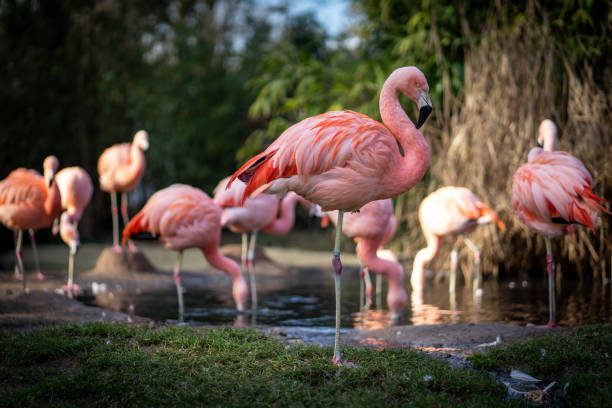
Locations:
column 304, row 296
column 311, row 304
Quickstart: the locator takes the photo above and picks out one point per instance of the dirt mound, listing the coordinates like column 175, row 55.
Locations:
column 36, row 309
column 111, row 263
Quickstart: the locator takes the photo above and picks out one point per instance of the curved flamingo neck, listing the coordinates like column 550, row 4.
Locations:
column 396, row 296
column 53, row 202
column 422, row 258
column 284, row 223
column 216, row 260
column 550, row 140
column 410, row 168
column 137, row 161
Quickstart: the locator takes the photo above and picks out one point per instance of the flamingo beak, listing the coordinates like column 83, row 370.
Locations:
column 424, row 105
column 50, row 181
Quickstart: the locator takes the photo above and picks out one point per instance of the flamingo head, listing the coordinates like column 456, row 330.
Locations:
column 50, row 166
column 413, row 84
column 547, row 135
column 141, row 139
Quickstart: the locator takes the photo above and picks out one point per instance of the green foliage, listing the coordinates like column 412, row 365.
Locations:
column 102, row 365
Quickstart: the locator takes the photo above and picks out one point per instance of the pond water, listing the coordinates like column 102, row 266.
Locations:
column 310, row 303
column 302, row 295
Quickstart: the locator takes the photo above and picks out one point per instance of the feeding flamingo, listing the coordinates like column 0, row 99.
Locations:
column 29, row 201
column 257, row 214
column 450, row 211
column 342, row 160
column 551, row 192
column 121, row 167
column 185, row 217
column 76, row 190
column 371, row 228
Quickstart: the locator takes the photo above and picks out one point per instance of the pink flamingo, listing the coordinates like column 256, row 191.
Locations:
column 342, row 160
column 450, row 211
column 551, row 194
column 185, row 217
column 76, row 190
column 29, row 201
column 372, row 227
column 121, row 167
column 257, row 214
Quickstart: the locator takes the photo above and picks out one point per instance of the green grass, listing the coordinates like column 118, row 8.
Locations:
column 580, row 358
column 114, row 365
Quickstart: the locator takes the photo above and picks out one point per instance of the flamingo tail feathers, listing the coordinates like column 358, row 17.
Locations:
column 135, row 226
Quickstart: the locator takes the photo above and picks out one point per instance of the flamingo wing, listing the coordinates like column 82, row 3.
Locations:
column 554, row 188
column 320, row 144
column 181, row 215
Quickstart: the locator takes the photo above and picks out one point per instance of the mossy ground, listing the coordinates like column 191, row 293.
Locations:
column 115, row 365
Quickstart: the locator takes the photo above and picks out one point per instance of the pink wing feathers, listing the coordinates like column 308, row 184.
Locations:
column 552, row 189
column 338, row 143
column 22, row 198
column 182, row 216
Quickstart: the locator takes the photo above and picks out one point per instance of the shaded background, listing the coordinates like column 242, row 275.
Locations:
column 214, row 82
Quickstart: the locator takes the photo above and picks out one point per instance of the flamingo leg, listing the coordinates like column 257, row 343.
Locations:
column 71, row 289
column 17, row 272
column 477, row 270
column 126, row 219
column 337, row 266
column 116, row 246
column 368, row 287
column 379, row 291
column 550, row 269
column 245, row 248
column 454, row 260
column 361, row 290
column 251, row 265
column 38, row 274
column 19, row 255
column 179, row 287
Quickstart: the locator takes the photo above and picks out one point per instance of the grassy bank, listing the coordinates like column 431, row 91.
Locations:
column 579, row 360
column 112, row 365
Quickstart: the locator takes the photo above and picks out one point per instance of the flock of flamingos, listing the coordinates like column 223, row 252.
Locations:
column 336, row 162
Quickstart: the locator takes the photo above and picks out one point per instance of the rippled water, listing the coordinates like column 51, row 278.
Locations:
column 304, row 296
column 307, row 299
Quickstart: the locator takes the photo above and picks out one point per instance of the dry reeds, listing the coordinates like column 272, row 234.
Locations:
column 515, row 78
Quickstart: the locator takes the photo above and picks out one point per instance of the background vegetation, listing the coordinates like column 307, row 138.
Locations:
column 216, row 81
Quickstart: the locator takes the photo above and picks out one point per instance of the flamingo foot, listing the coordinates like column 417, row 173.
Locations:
column 117, row 249
column 39, row 276
column 549, row 325
column 338, row 361
column 71, row 290
column 132, row 247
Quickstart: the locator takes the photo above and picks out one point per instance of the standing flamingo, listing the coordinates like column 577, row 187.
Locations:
column 76, row 190
column 371, row 228
column 257, row 214
column 342, row 160
column 185, row 217
column 121, row 167
column 551, row 191
column 29, row 201
column 450, row 211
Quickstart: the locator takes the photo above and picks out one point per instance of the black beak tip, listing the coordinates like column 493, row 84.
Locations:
column 424, row 113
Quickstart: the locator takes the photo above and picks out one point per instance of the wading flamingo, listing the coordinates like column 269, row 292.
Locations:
column 76, row 190
column 342, row 160
column 257, row 214
column 185, row 217
column 372, row 227
column 550, row 194
column 29, row 201
column 121, row 167
column 450, row 211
